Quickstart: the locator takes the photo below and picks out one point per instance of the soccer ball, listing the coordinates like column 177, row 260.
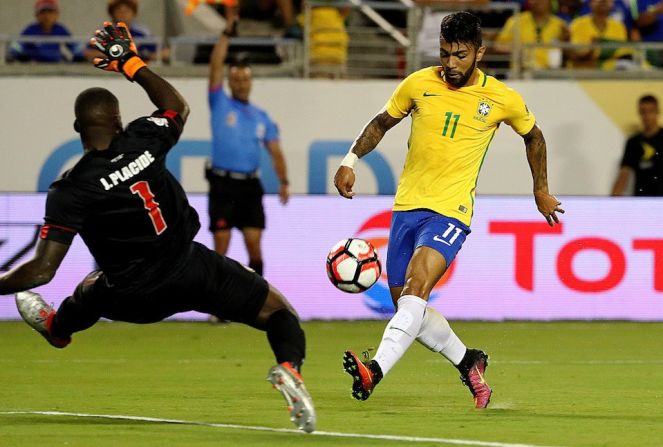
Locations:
column 353, row 265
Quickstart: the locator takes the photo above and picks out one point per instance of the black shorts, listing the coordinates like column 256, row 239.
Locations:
column 235, row 203
column 208, row 283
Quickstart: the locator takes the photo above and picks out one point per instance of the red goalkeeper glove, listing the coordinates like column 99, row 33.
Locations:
column 116, row 43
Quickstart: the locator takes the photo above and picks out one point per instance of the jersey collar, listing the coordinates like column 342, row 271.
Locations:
column 481, row 80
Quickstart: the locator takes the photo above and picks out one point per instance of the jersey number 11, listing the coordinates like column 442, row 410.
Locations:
column 455, row 118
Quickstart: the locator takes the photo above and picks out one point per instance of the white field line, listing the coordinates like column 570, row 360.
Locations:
column 414, row 439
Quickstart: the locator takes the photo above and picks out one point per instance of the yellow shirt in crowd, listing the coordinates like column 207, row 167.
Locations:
column 583, row 30
column 530, row 32
column 450, row 133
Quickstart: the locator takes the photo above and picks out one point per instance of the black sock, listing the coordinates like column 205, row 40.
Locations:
column 467, row 361
column 376, row 370
column 256, row 265
column 74, row 315
column 286, row 338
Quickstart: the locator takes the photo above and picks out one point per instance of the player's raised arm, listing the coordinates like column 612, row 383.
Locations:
column 116, row 43
column 367, row 140
column 547, row 204
column 37, row 271
column 220, row 50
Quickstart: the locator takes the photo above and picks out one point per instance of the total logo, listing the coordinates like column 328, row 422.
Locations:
column 375, row 230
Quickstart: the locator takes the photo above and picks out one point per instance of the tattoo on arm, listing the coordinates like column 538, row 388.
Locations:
column 373, row 132
column 535, row 146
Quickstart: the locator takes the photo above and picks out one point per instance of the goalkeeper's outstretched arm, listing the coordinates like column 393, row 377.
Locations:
column 161, row 93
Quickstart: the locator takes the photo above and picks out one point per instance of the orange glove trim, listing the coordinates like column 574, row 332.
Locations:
column 132, row 66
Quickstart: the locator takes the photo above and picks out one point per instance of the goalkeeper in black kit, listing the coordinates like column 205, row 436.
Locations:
column 136, row 221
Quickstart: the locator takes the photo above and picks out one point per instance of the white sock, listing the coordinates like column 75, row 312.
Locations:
column 437, row 335
column 400, row 332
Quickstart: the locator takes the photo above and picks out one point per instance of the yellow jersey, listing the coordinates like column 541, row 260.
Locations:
column 530, row 32
column 583, row 30
column 450, row 133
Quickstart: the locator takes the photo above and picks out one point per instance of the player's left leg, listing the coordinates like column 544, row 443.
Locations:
column 251, row 221
column 436, row 333
column 252, row 240
column 445, row 237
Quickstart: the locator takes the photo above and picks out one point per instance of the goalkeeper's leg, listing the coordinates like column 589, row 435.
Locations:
column 287, row 339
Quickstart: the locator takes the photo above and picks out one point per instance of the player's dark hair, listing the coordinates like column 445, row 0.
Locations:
column 648, row 98
column 461, row 27
column 95, row 105
column 240, row 61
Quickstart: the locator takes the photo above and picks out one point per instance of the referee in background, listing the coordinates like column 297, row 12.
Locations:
column 240, row 131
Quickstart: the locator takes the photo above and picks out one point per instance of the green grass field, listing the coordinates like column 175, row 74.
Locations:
column 555, row 384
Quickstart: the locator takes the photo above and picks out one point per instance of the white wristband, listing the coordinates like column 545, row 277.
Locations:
column 350, row 160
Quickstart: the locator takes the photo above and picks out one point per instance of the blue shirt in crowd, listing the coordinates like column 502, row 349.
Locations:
column 239, row 132
column 653, row 32
column 145, row 50
column 620, row 11
column 45, row 52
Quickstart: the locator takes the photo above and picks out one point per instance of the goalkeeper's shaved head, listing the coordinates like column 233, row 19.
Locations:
column 96, row 106
column 97, row 113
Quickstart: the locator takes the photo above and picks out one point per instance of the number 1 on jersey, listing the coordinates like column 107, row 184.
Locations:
column 143, row 190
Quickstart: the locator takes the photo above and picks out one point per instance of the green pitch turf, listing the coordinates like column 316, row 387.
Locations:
column 555, row 384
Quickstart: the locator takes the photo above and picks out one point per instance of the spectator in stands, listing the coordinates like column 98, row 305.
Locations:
column 643, row 154
column 537, row 25
column 328, row 40
column 47, row 13
column 567, row 10
column 428, row 38
column 620, row 11
column 599, row 27
column 126, row 11
column 648, row 17
column 282, row 13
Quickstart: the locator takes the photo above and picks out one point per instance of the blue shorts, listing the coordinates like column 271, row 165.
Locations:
column 413, row 229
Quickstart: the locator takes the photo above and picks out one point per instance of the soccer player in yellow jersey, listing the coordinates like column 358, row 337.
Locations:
column 455, row 111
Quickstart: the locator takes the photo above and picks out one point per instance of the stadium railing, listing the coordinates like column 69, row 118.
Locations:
column 6, row 41
column 379, row 46
column 181, row 59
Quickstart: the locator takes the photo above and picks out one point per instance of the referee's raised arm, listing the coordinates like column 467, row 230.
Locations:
column 220, row 50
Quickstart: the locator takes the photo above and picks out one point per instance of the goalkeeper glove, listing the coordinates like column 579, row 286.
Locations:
column 116, row 43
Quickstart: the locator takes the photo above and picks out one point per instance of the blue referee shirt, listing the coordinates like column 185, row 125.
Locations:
column 239, row 132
